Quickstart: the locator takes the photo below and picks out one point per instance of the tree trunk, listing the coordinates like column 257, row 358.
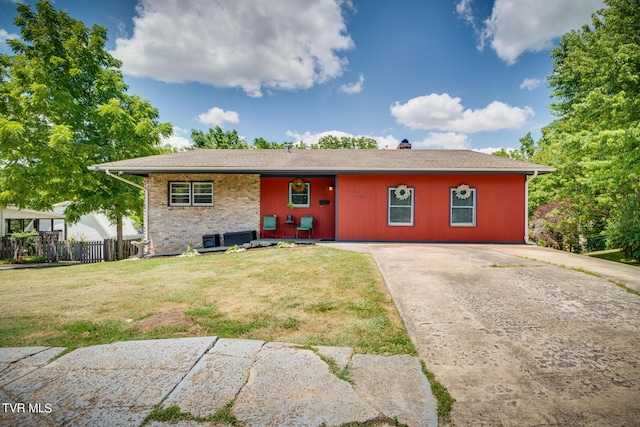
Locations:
column 119, row 239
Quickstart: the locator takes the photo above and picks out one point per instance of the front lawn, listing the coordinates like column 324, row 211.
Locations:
column 307, row 295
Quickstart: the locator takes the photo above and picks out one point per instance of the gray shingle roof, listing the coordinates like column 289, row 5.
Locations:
column 316, row 162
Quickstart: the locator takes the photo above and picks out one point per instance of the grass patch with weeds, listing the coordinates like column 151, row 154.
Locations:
column 507, row 266
column 613, row 255
column 341, row 373
column 625, row 287
column 322, row 306
column 304, row 295
column 173, row 414
column 585, row 271
column 445, row 400
column 381, row 421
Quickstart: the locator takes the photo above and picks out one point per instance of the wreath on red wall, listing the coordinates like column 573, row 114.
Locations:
column 298, row 185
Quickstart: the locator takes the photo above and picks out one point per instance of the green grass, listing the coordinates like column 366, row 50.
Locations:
column 507, row 266
column 308, row 296
column 613, row 255
column 445, row 400
column 173, row 414
column 625, row 287
column 342, row 373
column 304, row 295
column 585, row 271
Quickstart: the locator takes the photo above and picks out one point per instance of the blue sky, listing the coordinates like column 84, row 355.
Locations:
column 443, row 74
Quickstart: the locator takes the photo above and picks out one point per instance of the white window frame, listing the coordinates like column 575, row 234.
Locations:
column 192, row 193
column 390, row 197
column 473, row 208
column 307, row 186
column 182, row 184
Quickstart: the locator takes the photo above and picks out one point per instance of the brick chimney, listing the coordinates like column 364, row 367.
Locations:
column 404, row 145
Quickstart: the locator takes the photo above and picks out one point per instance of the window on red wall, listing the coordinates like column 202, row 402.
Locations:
column 400, row 207
column 300, row 197
column 463, row 207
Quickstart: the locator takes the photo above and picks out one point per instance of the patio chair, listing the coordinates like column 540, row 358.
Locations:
column 269, row 223
column 306, row 224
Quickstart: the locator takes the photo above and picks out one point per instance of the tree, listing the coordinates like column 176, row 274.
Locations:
column 624, row 229
column 595, row 141
column 526, row 151
column 64, row 108
column 263, row 144
column 331, row 141
column 217, row 138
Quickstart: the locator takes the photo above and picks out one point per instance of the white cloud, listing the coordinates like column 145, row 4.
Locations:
column 518, row 26
column 491, row 150
column 444, row 113
column 448, row 140
column 251, row 44
column 463, row 9
column 387, row 142
column 177, row 139
column 530, row 84
column 217, row 116
column 4, row 36
column 352, row 88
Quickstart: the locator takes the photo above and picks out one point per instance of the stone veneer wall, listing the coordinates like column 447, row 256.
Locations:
column 236, row 207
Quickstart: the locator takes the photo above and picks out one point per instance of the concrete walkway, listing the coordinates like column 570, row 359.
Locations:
column 518, row 335
column 264, row 384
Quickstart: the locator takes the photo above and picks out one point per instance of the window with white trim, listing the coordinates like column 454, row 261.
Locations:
column 463, row 207
column 202, row 193
column 400, row 207
column 191, row 194
column 300, row 199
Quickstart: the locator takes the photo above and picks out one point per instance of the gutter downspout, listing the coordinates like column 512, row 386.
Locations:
column 145, row 219
column 526, row 208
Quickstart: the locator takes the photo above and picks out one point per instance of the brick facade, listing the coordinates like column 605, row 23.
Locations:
column 236, row 207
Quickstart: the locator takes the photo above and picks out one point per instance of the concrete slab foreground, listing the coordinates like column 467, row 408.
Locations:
column 19, row 361
column 116, row 384
column 393, row 385
column 281, row 384
column 301, row 392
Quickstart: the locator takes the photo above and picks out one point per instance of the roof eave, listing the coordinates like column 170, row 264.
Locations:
column 145, row 171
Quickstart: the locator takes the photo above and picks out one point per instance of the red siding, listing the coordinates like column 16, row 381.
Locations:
column 274, row 196
column 362, row 208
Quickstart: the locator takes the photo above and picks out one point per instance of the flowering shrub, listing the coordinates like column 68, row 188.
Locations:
column 555, row 225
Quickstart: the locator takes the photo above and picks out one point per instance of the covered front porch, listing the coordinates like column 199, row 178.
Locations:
column 289, row 198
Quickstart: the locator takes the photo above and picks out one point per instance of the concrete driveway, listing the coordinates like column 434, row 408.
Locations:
column 518, row 335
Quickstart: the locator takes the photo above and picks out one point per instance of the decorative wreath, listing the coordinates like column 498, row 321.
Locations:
column 463, row 191
column 402, row 192
column 298, row 185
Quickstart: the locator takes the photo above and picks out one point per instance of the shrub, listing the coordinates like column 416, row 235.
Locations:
column 555, row 225
column 624, row 228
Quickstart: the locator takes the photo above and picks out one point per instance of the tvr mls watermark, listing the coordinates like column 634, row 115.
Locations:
column 27, row 408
